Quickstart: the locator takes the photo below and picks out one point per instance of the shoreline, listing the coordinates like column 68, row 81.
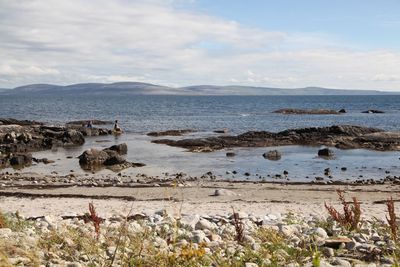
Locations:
column 196, row 197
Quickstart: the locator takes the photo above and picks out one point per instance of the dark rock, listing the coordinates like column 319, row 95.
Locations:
column 373, row 111
column 230, row 154
column 43, row 160
column 342, row 136
column 21, row 159
column 92, row 157
column 121, row 149
column 114, row 160
column 342, row 110
column 223, row 131
column 73, row 137
column 85, row 122
column 110, row 157
column 285, row 172
column 325, row 152
column 273, row 155
column 10, row 121
column 343, row 169
column 171, row 132
column 306, row 111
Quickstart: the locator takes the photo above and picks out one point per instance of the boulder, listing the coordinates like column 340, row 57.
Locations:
column 21, row 159
column 342, row 110
column 325, row 152
column 230, row 154
column 92, row 157
column 273, row 155
column 110, row 157
column 121, row 149
column 73, row 137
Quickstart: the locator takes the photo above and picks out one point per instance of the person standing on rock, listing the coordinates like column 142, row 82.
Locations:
column 90, row 124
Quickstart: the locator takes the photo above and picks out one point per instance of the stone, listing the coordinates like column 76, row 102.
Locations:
column 198, row 236
column 273, row 155
column 224, row 192
column 341, row 263
column 203, row 224
column 328, row 252
column 190, row 220
column 289, row 230
column 121, row 149
column 21, row 159
column 250, row 264
column 320, row 232
column 325, row 152
column 230, row 154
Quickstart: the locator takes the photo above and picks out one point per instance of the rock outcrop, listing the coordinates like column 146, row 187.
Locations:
column 341, row 136
column 20, row 137
column 373, row 111
column 93, row 159
column 85, row 122
column 171, row 133
column 295, row 111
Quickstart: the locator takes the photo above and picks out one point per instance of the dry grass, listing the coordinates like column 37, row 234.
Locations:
column 3, row 223
column 392, row 220
column 239, row 227
column 350, row 218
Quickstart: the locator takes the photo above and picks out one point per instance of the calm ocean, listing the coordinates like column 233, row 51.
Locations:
column 141, row 114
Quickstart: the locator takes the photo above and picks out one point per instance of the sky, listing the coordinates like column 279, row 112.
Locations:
column 349, row 44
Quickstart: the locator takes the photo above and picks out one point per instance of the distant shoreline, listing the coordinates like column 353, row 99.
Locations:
column 137, row 88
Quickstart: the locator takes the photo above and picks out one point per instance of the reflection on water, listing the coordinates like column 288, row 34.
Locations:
column 300, row 162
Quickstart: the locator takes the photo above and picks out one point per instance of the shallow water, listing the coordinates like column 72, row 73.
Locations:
column 301, row 162
column 141, row 114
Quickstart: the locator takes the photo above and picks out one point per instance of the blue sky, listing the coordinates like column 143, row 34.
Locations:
column 364, row 23
column 287, row 43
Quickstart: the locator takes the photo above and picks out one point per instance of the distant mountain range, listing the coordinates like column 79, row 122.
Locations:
column 137, row 88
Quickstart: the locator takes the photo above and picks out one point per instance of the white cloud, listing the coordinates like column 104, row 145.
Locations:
column 152, row 41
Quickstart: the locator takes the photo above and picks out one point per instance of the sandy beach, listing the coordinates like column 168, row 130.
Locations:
column 194, row 197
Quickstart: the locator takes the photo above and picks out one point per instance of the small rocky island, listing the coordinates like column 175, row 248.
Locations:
column 340, row 136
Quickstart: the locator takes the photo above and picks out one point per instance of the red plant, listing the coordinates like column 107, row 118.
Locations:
column 94, row 218
column 392, row 218
column 350, row 219
column 239, row 227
